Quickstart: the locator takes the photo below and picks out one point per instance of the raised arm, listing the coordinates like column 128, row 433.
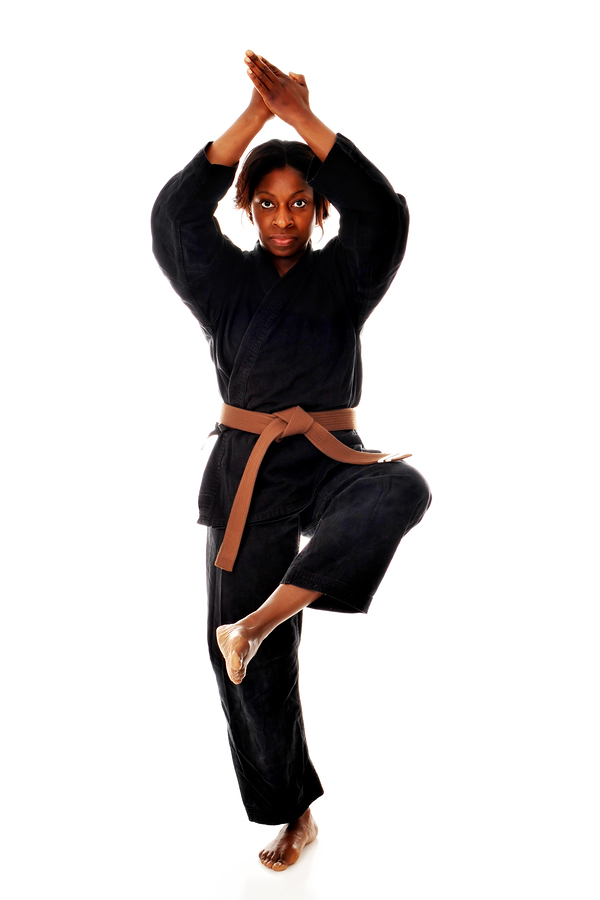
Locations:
column 187, row 240
column 228, row 149
column 373, row 218
column 373, row 223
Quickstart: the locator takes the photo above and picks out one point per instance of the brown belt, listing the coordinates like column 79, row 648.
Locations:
column 275, row 427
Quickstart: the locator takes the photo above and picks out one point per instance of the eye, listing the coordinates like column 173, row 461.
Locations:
column 299, row 204
column 267, row 204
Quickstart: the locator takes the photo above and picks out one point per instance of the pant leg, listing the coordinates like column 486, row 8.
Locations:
column 359, row 517
column 277, row 779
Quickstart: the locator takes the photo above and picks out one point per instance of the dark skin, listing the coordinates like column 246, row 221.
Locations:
column 283, row 210
column 275, row 94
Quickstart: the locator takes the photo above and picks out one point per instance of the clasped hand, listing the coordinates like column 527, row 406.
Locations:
column 285, row 96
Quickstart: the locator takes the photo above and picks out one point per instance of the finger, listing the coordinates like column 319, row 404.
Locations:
column 261, row 63
column 272, row 67
column 255, row 80
column 262, row 71
column 262, row 88
column 300, row 79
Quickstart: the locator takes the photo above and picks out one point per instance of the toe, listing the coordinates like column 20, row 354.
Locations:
column 237, row 677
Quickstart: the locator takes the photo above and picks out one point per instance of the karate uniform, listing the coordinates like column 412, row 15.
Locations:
column 279, row 342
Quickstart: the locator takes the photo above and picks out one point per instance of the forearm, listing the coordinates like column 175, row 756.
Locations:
column 228, row 149
column 317, row 135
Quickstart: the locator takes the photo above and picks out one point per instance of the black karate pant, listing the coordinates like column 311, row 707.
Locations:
column 356, row 521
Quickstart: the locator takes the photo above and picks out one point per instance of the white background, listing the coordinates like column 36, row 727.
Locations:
column 455, row 727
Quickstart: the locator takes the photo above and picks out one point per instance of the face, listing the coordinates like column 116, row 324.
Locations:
column 283, row 210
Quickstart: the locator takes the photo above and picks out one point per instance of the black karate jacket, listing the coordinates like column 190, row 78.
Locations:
column 278, row 341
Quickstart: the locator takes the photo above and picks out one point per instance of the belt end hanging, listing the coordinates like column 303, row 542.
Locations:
column 394, row 457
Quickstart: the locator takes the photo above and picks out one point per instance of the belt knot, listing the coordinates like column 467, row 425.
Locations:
column 296, row 420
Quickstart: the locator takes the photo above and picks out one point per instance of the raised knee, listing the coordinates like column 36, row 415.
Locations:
column 419, row 488
column 410, row 487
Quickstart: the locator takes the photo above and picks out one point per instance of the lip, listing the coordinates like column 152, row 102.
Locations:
column 282, row 240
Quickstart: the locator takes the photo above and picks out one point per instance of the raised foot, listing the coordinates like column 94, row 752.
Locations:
column 285, row 850
column 238, row 644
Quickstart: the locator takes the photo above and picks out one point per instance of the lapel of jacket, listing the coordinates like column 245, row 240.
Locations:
column 277, row 294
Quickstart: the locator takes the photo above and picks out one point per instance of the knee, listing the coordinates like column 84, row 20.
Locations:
column 412, row 490
column 419, row 488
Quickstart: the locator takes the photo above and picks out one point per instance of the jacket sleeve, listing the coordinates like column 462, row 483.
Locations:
column 187, row 240
column 374, row 220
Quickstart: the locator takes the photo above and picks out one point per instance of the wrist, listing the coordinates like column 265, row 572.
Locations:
column 305, row 119
column 256, row 118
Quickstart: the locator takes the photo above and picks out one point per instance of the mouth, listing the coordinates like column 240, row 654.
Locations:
column 282, row 240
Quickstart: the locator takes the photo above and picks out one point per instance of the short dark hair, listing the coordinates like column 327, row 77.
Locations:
column 267, row 157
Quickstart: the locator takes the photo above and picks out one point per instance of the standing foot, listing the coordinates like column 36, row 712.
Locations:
column 238, row 643
column 285, row 850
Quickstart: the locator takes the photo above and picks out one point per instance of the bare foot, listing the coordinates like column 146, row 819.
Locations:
column 238, row 643
column 289, row 843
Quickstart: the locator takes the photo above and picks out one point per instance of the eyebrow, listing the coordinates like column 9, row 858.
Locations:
column 303, row 191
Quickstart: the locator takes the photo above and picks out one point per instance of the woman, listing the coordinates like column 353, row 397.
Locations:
column 283, row 324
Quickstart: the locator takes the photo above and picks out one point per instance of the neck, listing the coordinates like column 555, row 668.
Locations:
column 283, row 264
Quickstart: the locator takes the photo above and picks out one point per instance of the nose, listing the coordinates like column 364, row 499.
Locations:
column 282, row 217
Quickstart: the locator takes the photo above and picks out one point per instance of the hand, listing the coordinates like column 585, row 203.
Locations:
column 258, row 108
column 285, row 96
